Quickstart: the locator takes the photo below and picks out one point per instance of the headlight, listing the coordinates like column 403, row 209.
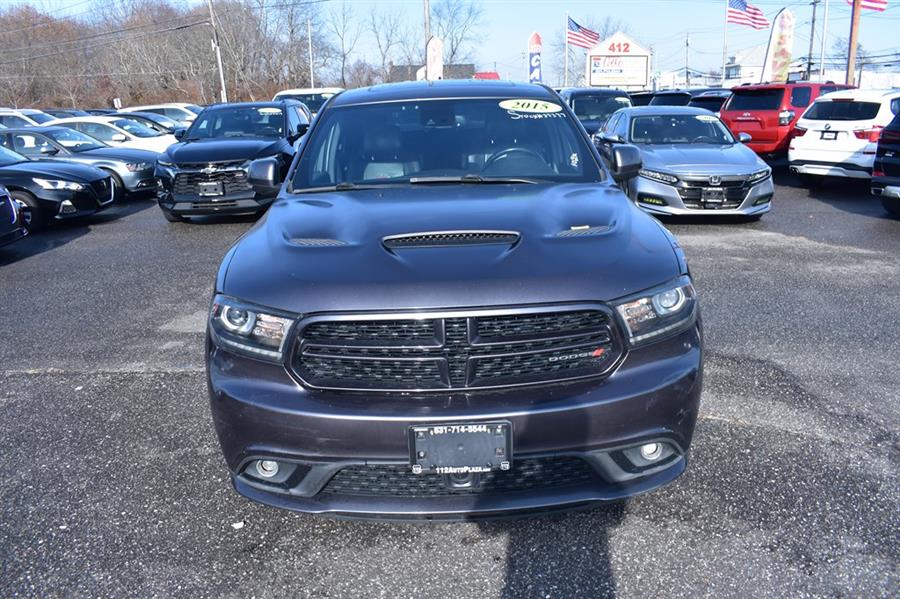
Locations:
column 164, row 164
column 247, row 329
column 759, row 175
column 658, row 176
column 137, row 166
column 58, row 184
column 663, row 310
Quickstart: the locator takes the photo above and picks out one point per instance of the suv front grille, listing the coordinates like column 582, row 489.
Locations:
column 469, row 351
column 231, row 175
column 399, row 481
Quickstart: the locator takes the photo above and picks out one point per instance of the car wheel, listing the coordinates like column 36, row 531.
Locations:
column 33, row 217
column 118, row 188
column 892, row 205
column 172, row 218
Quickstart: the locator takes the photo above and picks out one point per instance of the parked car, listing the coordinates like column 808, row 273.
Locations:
column 838, row 135
column 710, row 100
column 312, row 97
column 593, row 105
column 131, row 171
column 206, row 171
column 768, row 112
column 118, row 131
column 680, row 97
column 65, row 113
column 886, row 174
column 14, row 118
column 692, row 164
column 641, row 98
column 53, row 191
column 452, row 310
column 98, row 111
column 38, row 116
column 157, row 122
column 11, row 226
column 180, row 112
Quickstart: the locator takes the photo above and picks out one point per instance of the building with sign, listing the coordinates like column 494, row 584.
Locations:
column 618, row 62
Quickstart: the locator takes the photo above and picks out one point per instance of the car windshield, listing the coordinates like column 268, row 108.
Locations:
column 313, row 101
column 842, row 110
column 73, row 140
column 711, row 103
column 194, row 108
column 135, row 128
column 756, row 99
column 670, row 100
column 8, row 157
column 598, row 107
column 238, row 121
column 39, row 117
column 679, row 129
column 445, row 141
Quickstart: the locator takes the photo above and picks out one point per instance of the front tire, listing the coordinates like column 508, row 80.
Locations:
column 892, row 205
column 33, row 216
column 172, row 218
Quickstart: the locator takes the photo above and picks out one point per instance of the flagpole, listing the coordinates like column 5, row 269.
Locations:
column 824, row 34
column 566, row 55
column 725, row 44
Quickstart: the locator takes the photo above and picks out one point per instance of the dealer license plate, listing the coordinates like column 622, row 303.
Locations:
column 461, row 448
column 210, row 188
column 830, row 135
column 713, row 196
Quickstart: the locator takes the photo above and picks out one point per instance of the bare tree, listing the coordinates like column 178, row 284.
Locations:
column 386, row 30
column 457, row 23
column 346, row 32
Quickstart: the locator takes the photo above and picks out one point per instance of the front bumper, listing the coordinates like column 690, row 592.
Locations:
column 260, row 412
column 242, row 200
column 12, row 235
column 65, row 204
column 138, row 181
column 648, row 194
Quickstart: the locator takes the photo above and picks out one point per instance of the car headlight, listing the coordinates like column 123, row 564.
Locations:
column 137, row 166
column 759, row 175
column 665, row 309
column 58, row 184
column 658, row 176
column 247, row 329
column 164, row 164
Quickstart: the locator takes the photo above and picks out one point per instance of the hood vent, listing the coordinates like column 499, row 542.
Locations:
column 449, row 238
column 584, row 231
column 312, row 242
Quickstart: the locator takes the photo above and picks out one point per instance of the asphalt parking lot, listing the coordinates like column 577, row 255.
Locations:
column 111, row 482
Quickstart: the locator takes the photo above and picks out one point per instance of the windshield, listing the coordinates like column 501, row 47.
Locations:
column 711, row 103
column 313, row 101
column 135, row 128
column 409, row 142
column 73, row 140
column 8, row 157
column 598, row 108
column 679, row 129
column 194, row 108
column 756, row 99
column 842, row 110
column 238, row 121
column 40, row 117
column 670, row 100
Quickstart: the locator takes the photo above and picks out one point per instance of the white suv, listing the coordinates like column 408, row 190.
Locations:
column 838, row 134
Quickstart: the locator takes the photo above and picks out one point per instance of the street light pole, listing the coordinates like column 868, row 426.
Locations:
column 212, row 21
column 312, row 77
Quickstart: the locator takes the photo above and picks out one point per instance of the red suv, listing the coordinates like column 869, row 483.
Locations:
column 767, row 112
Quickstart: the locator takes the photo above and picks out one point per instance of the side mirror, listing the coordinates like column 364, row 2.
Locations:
column 118, row 137
column 591, row 126
column 745, row 138
column 625, row 162
column 263, row 176
column 302, row 128
column 179, row 133
column 49, row 151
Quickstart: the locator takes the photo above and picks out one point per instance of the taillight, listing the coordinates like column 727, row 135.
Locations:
column 799, row 131
column 877, row 173
column 868, row 134
column 785, row 117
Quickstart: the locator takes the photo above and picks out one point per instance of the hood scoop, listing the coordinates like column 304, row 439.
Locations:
column 584, row 231
column 433, row 239
column 315, row 242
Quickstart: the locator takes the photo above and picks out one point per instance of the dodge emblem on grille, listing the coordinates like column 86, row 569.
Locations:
column 597, row 353
column 715, row 180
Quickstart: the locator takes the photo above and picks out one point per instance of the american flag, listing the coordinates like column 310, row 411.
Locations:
column 744, row 13
column 581, row 36
column 878, row 5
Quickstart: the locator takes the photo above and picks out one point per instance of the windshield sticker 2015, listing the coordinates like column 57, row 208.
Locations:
column 525, row 108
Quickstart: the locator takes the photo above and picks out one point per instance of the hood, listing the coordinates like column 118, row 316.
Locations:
column 127, row 154
column 216, row 150
column 50, row 168
column 701, row 159
column 324, row 252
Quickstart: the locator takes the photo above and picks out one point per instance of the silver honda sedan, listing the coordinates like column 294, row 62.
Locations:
column 692, row 164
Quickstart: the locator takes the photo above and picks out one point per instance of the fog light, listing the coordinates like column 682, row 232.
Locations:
column 67, row 208
column 651, row 451
column 267, row 468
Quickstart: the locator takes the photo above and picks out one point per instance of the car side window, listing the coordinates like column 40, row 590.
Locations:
column 621, row 128
column 610, row 124
column 29, row 144
column 174, row 113
column 98, row 131
column 801, row 96
column 895, row 106
column 293, row 120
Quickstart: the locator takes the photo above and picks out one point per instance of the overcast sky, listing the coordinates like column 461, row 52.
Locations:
column 660, row 24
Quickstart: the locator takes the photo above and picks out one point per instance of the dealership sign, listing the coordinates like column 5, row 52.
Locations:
column 534, row 58
column 618, row 62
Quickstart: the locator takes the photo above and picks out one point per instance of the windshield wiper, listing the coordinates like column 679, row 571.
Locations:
column 476, row 179
column 345, row 186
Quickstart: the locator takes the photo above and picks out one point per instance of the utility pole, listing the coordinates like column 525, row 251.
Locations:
column 212, row 21
column 854, row 38
column 812, row 34
column 824, row 35
column 427, row 34
column 312, row 77
column 687, row 70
